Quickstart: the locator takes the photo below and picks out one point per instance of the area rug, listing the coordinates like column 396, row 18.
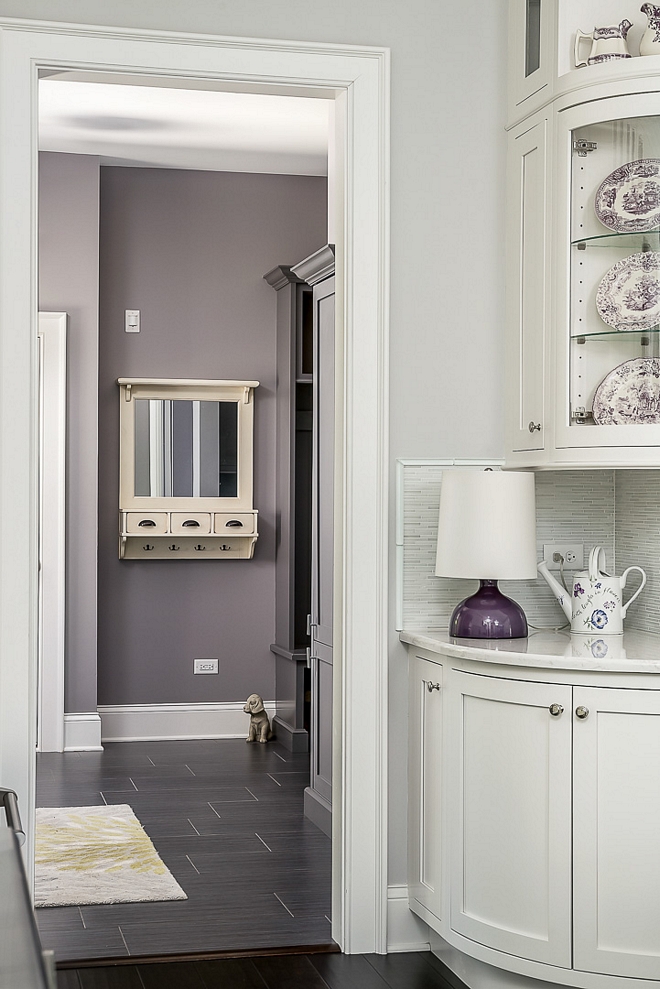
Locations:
column 90, row 855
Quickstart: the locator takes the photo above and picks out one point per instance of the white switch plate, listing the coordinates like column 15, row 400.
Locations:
column 205, row 666
column 132, row 320
column 573, row 554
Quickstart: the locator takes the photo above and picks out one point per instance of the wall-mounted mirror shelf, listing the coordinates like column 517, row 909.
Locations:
column 185, row 469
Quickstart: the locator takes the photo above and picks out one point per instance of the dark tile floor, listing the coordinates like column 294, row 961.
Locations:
column 418, row 970
column 227, row 820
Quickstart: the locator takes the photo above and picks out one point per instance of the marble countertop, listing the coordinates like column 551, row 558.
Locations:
column 632, row 652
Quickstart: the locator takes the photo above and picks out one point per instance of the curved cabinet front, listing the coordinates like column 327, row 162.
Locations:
column 534, row 808
column 511, row 801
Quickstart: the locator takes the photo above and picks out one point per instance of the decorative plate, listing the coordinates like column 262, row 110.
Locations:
column 629, row 394
column 628, row 200
column 628, row 297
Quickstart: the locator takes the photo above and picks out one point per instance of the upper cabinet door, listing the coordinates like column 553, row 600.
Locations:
column 531, row 48
column 509, row 795
column 606, row 311
column 527, row 295
column 616, row 871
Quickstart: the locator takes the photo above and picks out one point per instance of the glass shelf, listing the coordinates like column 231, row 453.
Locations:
column 647, row 241
column 607, row 334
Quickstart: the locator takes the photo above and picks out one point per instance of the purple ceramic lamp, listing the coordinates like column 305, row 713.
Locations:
column 487, row 530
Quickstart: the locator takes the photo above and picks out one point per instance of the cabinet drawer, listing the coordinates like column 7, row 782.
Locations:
column 146, row 522
column 243, row 523
column 190, row 523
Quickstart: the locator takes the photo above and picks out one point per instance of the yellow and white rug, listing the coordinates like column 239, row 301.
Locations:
column 90, row 855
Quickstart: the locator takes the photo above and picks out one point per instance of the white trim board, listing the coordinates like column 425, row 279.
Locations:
column 52, row 511
column 82, row 732
column 405, row 930
column 357, row 80
column 171, row 722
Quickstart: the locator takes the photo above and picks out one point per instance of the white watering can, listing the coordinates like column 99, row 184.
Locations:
column 595, row 603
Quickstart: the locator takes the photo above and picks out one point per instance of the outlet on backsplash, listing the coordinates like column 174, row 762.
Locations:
column 572, row 553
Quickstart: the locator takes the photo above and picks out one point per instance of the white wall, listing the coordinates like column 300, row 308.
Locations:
column 448, row 67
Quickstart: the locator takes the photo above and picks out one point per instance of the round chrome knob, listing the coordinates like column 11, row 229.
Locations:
column 555, row 710
column 534, row 427
column 581, row 712
column 432, row 686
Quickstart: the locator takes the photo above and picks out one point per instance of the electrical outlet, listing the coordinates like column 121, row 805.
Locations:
column 205, row 666
column 573, row 554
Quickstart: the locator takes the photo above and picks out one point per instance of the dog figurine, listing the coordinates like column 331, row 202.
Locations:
column 259, row 724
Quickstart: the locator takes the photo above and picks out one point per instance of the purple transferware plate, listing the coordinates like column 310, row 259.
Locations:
column 630, row 394
column 628, row 297
column 628, row 200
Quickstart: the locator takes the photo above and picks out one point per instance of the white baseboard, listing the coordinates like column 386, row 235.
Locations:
column 168, row 722
column 82, row 733
column 405, row 931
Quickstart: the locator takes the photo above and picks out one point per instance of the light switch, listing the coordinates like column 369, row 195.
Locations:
column 132, row 320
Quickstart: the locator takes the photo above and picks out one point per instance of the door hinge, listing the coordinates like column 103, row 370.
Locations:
column 582, row 148
column 581, row 415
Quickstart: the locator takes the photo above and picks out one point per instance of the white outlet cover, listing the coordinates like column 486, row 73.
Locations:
column 205, row 666
column 575, row 550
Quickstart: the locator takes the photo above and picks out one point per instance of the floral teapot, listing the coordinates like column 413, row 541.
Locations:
column 596, row 602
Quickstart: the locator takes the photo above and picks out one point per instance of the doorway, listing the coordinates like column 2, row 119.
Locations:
column 185, row 250
column 360, row 604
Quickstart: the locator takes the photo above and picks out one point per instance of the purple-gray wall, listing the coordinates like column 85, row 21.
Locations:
column 189, row 249
column 68, row 282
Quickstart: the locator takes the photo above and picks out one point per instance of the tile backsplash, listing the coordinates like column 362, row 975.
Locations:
column 619, row 510
column 637, row 541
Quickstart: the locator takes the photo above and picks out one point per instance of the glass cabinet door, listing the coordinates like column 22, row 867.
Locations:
column 613, row 312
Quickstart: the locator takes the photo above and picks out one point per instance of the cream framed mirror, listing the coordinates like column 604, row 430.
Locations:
column 186, row 469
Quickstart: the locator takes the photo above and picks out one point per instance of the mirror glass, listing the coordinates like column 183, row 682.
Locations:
column 186, row 449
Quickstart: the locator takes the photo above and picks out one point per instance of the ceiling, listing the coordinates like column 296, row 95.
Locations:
column 164, row 127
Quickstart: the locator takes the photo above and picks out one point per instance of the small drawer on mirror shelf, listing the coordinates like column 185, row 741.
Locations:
column 187, row 524
column 243, row 523
column 145, row 524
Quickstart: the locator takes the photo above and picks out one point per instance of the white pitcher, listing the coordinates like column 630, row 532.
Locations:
column 596, row 601
column 607, row 43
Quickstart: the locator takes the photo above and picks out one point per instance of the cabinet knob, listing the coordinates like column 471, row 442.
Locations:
column 534, row 427
column 581, row 712
column 555, row 710
column 432, row 686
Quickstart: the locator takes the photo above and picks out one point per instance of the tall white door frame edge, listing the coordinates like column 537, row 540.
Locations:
column 357, row 78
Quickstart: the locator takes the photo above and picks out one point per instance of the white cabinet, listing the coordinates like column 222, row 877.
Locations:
column 534, row 814
column 510, row 794
column 583, row 284
column 616, row 852
column 425, row 726
column 528, row 276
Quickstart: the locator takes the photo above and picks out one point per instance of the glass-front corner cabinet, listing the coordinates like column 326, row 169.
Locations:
column 608, row 275
column 186, row 469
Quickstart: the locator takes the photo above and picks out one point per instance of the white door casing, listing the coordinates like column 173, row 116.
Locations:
column 52, row 546
column 357, row 78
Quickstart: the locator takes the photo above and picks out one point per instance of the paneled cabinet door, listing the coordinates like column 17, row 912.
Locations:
column 509, row 793
column 425, row 785
column 527, row 296
column 531, row 45
column 616, row 870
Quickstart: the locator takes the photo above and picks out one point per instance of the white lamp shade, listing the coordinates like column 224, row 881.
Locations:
column 487, row 525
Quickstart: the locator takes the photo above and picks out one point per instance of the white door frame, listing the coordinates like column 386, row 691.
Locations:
column 357, row 78
column 52, row 513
